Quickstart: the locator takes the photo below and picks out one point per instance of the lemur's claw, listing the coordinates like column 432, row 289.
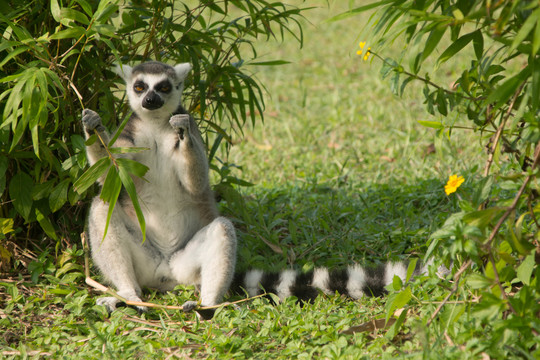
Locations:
column 180, row 123
column 91, row 120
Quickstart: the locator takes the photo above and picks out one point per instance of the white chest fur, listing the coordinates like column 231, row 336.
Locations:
column 170, row 212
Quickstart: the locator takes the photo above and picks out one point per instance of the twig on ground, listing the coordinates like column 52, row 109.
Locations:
column 457, row 276
column 111, row 292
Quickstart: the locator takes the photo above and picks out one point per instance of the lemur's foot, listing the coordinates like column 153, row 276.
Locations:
column 91, row 120
column 180, row 123
column 203, row 314
column 112, row 303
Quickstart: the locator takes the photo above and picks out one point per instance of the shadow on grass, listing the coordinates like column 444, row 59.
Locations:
column 306, row 225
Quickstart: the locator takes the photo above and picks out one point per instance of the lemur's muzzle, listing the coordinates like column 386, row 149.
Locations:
column 152, row 101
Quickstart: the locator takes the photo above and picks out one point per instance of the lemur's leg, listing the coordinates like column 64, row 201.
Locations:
column 208, row 260
column 92, row 121
column 116, row 254
column 192, row 161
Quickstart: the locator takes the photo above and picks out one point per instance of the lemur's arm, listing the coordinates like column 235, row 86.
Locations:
column 91, row 121
column 192, row 160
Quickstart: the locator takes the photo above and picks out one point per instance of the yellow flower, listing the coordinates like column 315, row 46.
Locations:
column 360, row 52
column 453, row 183
column 367, row 54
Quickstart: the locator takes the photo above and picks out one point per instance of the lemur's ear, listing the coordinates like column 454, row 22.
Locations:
column 124, row 71
column 182, row 70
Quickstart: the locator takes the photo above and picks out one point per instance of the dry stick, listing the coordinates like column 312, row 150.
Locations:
column 111, row 292
column 457, row 276
column 499, row 132
column 503, row 218
column 514, row 204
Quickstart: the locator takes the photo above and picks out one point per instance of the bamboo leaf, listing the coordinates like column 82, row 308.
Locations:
column 58, row 195
column 270, row 63
column 69, row 33
column 457, row 46
column 358, row 10
column 132, row 167
column 46, row 224
column 55, row 10
column 110, row 192
column 525, row 29
column 20, row 192
column 504, row 92
column 431, row 124
column 91, row 175
column 127, row 181
column 433, row 40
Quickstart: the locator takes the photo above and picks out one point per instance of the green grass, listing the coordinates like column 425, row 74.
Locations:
column 342, row 174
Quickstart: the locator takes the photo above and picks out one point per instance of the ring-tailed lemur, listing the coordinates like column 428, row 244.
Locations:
column 187, row 241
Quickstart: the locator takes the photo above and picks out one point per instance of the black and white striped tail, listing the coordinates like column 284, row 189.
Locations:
column 354, row 281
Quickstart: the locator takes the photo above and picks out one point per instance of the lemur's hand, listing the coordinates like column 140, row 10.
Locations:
column 180, row 123
column 91, row 120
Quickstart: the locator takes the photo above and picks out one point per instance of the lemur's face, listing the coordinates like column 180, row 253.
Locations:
column 155, row 89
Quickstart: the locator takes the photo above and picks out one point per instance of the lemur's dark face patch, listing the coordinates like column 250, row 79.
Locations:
column 139, row 87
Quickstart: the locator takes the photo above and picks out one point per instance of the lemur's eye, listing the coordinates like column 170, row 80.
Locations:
column 139, row 87
column 165, row 88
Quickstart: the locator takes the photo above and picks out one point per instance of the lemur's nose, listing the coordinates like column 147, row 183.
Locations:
column 152, row 101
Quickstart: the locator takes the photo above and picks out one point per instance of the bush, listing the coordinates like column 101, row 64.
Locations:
column 57, row 59
column 493, row 241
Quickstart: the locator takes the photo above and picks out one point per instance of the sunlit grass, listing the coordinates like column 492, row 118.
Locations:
column 343, row 173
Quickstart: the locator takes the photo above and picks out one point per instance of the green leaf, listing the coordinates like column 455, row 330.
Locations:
column 525, row 29
column 68, row 15
column 3, row 168
column 58, row 196
column 20, row 192
column 11, row 54
column 46, row 224
column 478, row 281
column 478, row 44
column 132, row 167
column 111, row 186
column 358, row 10
column 536, row 39
column 104, row 11
column 397, row 283
column 433, row 40
column 482, row 218
column 270, row 63
column 431, row 124
column 394, row 329
column 6, row 226
column 127, row 181
column 118, row 131
column 69, row 33
column 55, row 10
column 91, row 175
column 127, row 150
column 110, row 192
column 457, row 46
column 398, row 301
column 502, row 93
column 525, row 269
column 410, row 269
